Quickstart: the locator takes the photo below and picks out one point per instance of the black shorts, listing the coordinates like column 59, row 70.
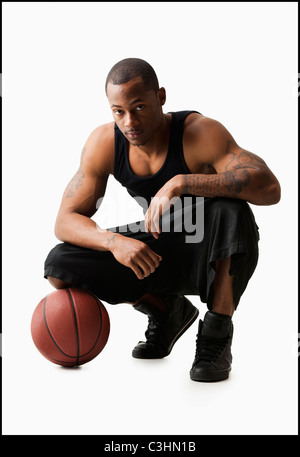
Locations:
column 230, row 230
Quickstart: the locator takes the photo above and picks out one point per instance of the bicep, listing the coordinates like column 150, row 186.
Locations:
column 235, row 157
column 89, row 182
column 224, row 154
column 83, row 192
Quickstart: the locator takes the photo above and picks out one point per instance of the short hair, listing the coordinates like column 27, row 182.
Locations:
column 128, row 69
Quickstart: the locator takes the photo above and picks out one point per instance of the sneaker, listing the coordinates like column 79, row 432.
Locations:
column 164, row 327
column 213, row 348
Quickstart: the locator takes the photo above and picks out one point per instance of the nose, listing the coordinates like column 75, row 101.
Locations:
column 130, row 121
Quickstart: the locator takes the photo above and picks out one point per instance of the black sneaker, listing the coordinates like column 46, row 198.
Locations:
column 213, row 348
column 164, row 327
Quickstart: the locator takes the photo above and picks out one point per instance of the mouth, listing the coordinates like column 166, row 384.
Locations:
column 133, row 134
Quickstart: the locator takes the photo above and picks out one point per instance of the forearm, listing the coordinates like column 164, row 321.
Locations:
column 252, row 185
column 82, row 231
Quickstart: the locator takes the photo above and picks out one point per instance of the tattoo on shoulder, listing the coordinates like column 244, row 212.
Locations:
column 243, row 159
column 74, row 184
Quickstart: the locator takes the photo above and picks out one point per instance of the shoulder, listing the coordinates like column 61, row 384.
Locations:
column 102, row 136
column 98, row 151
column 207, row 135
column 198, row 127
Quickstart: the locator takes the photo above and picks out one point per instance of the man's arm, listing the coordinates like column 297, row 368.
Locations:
column 73, row 223
column 79, row 203
column 239, row 173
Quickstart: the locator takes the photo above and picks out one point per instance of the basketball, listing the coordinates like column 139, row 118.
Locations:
column 70, row 327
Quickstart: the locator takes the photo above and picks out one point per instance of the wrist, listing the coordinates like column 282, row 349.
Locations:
column 180, row 185
column 111, row 241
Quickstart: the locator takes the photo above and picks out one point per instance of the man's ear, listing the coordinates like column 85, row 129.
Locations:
column 162, row 96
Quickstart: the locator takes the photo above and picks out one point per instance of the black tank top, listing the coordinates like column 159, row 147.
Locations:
column 148, row 186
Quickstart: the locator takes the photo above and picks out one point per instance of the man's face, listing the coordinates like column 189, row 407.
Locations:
column 136, row 111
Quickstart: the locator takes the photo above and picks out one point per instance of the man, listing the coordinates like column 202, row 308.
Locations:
column 159, row 158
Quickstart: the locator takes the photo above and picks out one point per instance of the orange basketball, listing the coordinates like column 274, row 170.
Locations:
column 70, row 327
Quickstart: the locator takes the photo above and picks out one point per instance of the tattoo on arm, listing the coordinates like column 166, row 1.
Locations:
column 74, row 184
column 111, row 239
column 76, row 181
column 229, row 183
column 244, row 159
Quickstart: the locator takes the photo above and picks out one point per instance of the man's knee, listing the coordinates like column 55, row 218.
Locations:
column 229, row 212
column 228, row 204
column 57, row 283
column 232, row 221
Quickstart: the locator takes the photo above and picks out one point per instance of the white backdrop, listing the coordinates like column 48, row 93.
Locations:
column 234, row 62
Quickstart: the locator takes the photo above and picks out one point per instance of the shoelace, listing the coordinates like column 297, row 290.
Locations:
column 208, row 348
column 153, row 330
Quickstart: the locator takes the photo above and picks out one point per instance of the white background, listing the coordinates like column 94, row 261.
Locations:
column 234, row 62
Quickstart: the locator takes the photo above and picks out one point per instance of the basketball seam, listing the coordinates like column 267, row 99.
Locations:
column 50, row 334
column 76, row 325
column 101, row 323
column 99, row 333
column 56, row 360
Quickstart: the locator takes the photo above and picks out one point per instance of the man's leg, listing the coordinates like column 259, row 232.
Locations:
column 152, row 299
column 156, row 308
column 223, row 217
column 169, row 313
column 58, row 283
column 232, row 253
column 223, row 301
column 68, row 265
column 213, row 352
column 96, row 271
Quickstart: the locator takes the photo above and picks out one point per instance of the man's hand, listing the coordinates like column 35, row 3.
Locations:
column 134, row 254
column 160, row 203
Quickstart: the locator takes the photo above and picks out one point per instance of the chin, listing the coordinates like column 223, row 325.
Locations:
column 139, row 143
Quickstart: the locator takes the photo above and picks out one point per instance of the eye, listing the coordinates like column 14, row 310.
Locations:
column 117, row 111
column 140, row 107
